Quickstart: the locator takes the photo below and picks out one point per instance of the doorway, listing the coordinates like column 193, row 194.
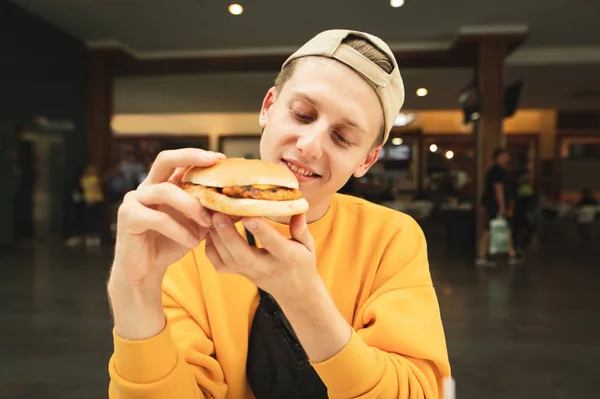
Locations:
column 38, row 207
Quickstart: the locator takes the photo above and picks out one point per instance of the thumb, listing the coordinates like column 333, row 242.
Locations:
column 299, row 231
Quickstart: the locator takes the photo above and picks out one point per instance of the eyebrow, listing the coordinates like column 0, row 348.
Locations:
column 345, row 121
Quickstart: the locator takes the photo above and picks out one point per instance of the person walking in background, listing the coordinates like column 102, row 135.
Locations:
column 93, row 197
column 496, row 199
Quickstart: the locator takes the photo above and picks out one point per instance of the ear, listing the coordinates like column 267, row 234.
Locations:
column 370, row 159
column 267, row 105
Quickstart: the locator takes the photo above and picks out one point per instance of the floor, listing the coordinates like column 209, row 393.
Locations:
column 531, row 331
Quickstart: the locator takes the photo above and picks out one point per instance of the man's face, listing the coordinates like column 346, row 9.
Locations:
column 503, row 159
column 324, row 121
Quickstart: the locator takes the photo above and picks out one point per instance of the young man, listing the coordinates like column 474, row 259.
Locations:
column 346, row 306
column 496, row 200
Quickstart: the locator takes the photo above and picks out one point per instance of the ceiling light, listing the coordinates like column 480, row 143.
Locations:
column 422, row 92
column 396, row 3
column 236, row 9
column 449, row 154
column 397, row 141
column 433, row 148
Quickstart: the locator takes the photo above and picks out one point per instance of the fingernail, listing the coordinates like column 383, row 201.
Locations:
column 250, row 224
column 206, row 217
column 212, row 155
column 221, row 222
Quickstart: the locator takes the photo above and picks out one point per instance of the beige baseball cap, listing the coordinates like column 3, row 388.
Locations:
column 388, row 86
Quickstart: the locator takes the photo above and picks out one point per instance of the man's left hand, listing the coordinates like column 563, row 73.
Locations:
column 285, row 268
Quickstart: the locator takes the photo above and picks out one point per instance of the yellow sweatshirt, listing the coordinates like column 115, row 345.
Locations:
column 373, row 261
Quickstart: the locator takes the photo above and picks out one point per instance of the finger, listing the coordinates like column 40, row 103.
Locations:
column 229, row 237
column 299, row 232
column 176, row 198
column 213, row 255
column 168, row 161
column 141, row 219
column 183, row 220
column 177, row 175
column 270, row 239
column 223, row 253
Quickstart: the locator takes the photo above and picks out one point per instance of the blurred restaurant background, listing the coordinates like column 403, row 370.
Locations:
column 106, row 85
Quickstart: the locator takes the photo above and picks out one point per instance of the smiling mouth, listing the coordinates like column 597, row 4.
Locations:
column 299, row 171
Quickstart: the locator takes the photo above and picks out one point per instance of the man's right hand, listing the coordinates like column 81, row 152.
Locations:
column 157, row 225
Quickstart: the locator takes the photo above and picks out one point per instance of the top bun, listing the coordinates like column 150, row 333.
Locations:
column 241, row 172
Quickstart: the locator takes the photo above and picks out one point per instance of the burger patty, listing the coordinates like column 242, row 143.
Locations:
column 259, row 192
column 270, row 193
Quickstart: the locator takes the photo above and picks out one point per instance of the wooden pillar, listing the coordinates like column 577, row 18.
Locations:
column 99, row 109
column 488, row 130
column 98, row 122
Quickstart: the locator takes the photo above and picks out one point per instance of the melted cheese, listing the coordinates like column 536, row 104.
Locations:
column 264, row 186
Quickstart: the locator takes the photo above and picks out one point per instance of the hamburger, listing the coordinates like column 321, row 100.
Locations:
column 246, row 187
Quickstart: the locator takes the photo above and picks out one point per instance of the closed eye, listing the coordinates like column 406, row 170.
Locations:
column 341, row 139
column 302, row 117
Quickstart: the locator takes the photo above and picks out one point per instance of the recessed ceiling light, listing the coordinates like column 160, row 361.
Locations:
column 433, row 148
column 236, row 9
column 396, row 3
column 449, row 154
column 422, row 92
column 397, row 141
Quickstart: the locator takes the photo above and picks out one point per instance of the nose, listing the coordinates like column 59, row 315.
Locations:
column 310, row 142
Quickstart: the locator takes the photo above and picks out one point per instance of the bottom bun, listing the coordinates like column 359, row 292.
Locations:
column 250, row 207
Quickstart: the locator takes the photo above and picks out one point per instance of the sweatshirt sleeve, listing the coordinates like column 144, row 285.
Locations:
column 397, row 348
column 157, row 368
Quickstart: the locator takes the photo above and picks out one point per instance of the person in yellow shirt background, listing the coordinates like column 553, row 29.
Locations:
column 93, row 197
column 337, row 302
